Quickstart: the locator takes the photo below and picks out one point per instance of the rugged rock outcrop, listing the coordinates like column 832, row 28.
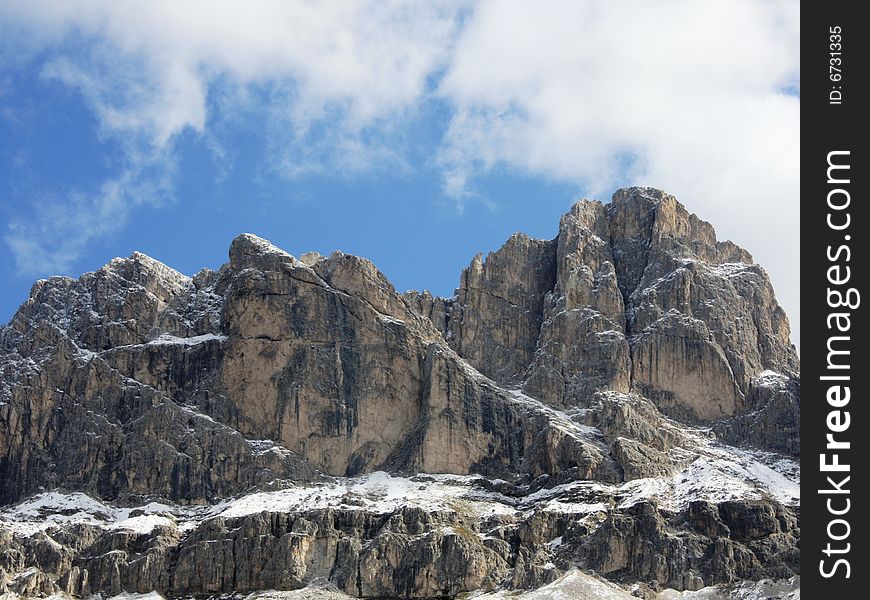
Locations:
column 640, row 297
column 327, row 362
column 773, row 417
column 385, row 537
column 496, row 317
column 582, row 347
column 560, row 379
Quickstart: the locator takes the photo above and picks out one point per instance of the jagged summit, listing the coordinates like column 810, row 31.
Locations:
column 249, row 250
column 649, row 298
column 557, row 394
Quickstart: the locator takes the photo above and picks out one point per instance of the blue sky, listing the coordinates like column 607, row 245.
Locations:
column 411, row 134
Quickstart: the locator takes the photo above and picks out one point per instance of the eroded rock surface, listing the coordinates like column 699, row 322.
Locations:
column 567, row 377
column 642, row 298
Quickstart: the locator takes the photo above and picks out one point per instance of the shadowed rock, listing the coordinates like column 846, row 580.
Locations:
column 561, row 370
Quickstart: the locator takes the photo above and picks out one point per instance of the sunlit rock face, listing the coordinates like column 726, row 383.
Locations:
column 282, row 421
column 635, row 295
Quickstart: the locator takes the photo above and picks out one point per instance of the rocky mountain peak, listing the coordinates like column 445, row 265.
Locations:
column 531, row 420
column 249, row 251
column 585, row 214
column 634, row 295
column 140, row 269
column 652, row 231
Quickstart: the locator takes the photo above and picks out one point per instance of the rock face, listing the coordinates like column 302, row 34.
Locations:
column 498, row 311
column 327, row 362
column 773, row 420
column 636, row 295
column 582, row 347
column 408, row 552
column 562, row 363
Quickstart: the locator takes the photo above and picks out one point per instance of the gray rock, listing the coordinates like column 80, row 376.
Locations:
column 578, row 358
column 496, row 318
column 410, row 552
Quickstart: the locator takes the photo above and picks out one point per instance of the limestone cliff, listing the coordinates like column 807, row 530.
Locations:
column 635, row 295
column 570, row 404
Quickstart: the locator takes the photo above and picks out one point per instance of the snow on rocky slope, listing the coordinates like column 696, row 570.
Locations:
column 621, row 400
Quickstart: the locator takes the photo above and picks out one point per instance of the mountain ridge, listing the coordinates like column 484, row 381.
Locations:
column 620, row 354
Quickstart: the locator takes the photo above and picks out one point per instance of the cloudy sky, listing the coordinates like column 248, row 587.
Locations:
column 414, row 133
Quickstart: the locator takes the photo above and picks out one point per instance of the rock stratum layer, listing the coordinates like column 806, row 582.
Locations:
column 622, row 399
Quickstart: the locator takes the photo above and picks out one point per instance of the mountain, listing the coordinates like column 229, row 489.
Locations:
column 621, row 400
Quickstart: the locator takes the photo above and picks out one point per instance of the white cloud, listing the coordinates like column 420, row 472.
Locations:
column 683, row 95
column 146, row 69
column 54, row 236
column 154, row 60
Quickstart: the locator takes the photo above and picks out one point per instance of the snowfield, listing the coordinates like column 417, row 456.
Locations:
column 717, row 474
column 573, row 585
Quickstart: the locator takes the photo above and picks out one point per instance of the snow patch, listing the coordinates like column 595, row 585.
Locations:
column 85, row 354
column 55, row 508
column 560, row 420
column 196, row 414
column 766, row 589
column 377, row 492
column 52, row 509
column 576, row 507
column 388, row 319
column 729, row 269
column 715, row 477
column 263, row 246
column 143, row 524
column 770, row 379
column 167, row 340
